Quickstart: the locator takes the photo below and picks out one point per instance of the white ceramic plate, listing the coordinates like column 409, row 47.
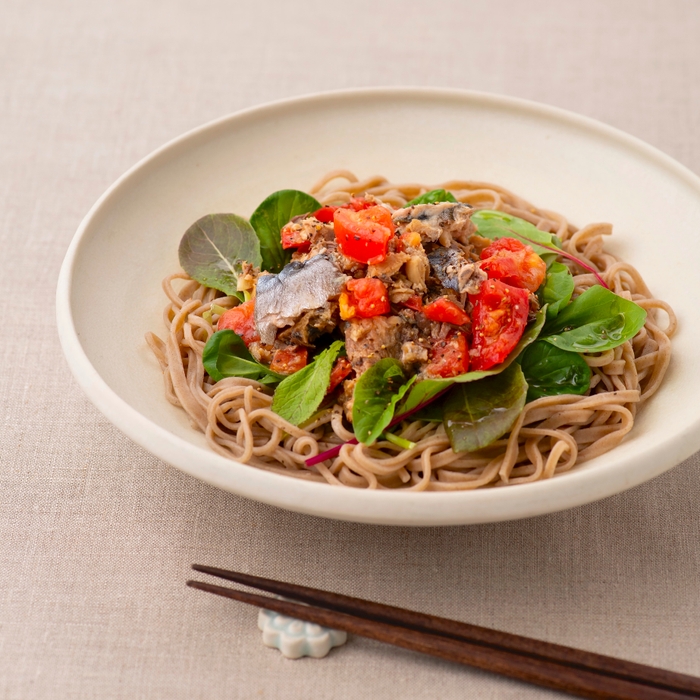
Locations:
column 109, row 290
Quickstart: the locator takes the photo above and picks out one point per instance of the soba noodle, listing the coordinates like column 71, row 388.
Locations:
column 551, row 435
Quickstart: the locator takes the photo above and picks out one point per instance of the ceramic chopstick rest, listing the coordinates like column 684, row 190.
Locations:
column 296, row 638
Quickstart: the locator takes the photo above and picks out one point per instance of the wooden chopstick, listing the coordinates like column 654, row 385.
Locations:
column 551, row 665
column 462, row 631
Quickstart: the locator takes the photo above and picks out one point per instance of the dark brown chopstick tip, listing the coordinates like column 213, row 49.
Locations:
column 211, row 570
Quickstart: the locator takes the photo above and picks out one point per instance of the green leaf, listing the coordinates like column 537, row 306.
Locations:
column 595, row 321
column 557, row 289
column 212, row 249
column 549, row 371
column 593, row 337
column 479, row 413
column 425, row 390
column 432, row 197
column 225, row 355
column 497, row 224
column 377, row 392
column 432, row 413
column 300, row 394
column 269, row 218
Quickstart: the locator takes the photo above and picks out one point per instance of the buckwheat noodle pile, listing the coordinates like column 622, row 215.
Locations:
column 551, row 435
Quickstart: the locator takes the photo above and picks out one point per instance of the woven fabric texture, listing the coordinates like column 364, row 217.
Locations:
column 96, row 535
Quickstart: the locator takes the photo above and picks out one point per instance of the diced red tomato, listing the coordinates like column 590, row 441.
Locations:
column 445, row 310
column 325, row 214
column 364, row 298
column 359, row 203
column 240, row 320
column 293, row 236
column 364, row 235
column 341, row 369
column 414, row 302
column 289, row 359
column 514, row 263
column 449, row 357
column 499, row 318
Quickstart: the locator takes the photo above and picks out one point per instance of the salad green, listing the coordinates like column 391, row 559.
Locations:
column 476, row 407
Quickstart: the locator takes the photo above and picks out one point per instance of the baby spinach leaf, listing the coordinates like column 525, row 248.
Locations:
column 269, row 218
column 432, row 197
column 300, row 394
column 595, row 321
column 432, row 413
column 549, row 371
column 225, row 355
column 427, row 388
column 424, row 390
column 557, row 289
column 592, row 337
column 377, row 392
column 212, row 249
column 497, row 224
column 479, row 413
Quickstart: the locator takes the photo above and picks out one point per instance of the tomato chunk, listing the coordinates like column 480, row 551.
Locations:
column 358, row 204
column 414, row 302
column 240, row 320
column 449, row 357
column 294, row 236
column 364, row 235
column 514, row 263
column 445, row 310
column 289, row 359
column 341, row 369
column 499, row 318
column 364, row 298
column 325, row 214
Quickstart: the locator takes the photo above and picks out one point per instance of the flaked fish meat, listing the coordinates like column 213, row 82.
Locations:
column 455, row 272
column 444, row 221
column 300, row 287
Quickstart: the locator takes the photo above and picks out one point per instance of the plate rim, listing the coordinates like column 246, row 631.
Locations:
column 365, row 506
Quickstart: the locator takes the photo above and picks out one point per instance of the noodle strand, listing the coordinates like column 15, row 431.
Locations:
column 551, row 435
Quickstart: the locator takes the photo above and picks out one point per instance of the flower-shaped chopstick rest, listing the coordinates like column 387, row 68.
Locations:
column 296, row 638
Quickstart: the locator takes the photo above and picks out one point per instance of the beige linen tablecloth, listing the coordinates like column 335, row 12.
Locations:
column 96, row 536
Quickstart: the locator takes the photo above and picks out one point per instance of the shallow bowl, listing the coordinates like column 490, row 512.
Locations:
column 109, row 292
